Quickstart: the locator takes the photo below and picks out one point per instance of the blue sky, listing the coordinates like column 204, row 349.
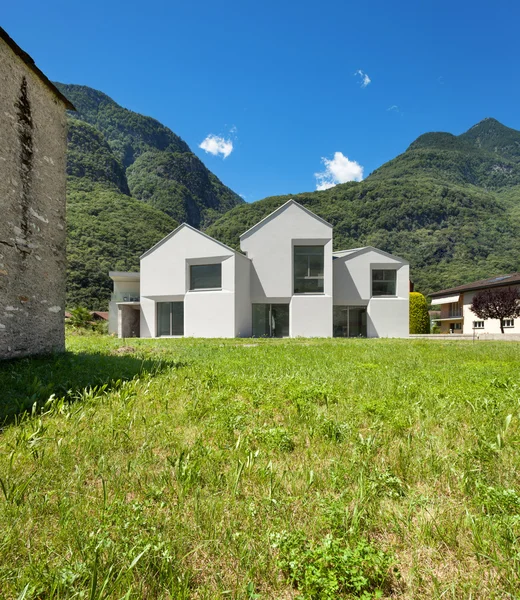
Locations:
column 280, row 82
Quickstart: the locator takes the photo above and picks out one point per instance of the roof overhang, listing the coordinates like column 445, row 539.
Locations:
column 124, row 276
column 446, row 300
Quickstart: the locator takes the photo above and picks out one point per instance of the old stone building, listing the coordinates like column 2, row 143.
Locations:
column 33, row 130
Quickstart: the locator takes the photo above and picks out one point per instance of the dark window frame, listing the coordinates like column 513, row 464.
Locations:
column 309, row 277
column 393, row 281
column 205, row 288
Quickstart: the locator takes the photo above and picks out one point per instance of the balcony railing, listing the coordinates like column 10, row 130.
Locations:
column 125, row 297
column 455, row 313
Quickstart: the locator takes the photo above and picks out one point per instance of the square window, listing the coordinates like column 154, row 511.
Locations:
column 384, row 282
column 205, row 277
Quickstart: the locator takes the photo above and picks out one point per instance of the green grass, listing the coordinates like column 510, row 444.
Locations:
column 261, row 469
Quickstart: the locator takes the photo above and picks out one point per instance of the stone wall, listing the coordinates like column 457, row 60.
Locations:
column 33, row 129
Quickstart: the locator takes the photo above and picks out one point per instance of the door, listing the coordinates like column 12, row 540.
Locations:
column 350, row 321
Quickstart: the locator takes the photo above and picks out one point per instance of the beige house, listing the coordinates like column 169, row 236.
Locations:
column 456, row 316
column 33, row 130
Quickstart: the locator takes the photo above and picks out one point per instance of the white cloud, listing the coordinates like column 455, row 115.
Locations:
column 216, row 145
column 338, row 170
column 393, row 108
column 364, row 78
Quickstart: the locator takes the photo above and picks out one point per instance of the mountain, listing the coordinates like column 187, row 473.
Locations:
column 131, row 180
column 449, row 204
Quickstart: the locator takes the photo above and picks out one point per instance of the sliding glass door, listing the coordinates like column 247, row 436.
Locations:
column 270, row 320
column 170, row 318
column 350, row 321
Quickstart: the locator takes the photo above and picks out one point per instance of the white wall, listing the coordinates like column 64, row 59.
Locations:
column 209, row 314
column 165, row 276
column 490, row 325
column 270, row 248
column 386, row 317
column 243, row 307
column 310, row 316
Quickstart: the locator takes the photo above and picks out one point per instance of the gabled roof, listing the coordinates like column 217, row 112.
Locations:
column 279, row 210
column 185, row 225
column 357, row 251
column 32, row 65
column 497, row 281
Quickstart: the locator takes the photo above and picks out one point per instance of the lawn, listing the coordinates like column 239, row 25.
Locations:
column 260, row 469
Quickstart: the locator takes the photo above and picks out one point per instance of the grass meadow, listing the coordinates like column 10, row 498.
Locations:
column 256, row 469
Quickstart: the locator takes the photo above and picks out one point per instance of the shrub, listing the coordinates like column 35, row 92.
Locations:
column 419, row 317
column 334, row 568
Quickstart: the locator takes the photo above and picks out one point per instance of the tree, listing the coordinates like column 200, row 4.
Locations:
column 499, row 303
column 80, row 317
column 419, row 317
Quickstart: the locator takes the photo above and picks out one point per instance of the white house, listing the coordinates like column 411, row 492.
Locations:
column 286, row 282
column 456, row 315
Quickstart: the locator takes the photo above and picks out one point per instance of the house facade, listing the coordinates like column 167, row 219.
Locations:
column 33, row 130
column 455, row 303
column 286, row 282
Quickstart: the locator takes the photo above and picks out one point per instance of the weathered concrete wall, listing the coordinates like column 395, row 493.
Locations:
column 32, row 211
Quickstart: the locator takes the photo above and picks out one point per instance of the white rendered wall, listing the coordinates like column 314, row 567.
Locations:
column 165, row 274
column 310, row 316
column 209, row 314
column 386, row 317
column 270, row 248
column 490, row 325
column 243, row 308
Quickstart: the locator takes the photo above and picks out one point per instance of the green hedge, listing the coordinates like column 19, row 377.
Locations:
column 419, row 317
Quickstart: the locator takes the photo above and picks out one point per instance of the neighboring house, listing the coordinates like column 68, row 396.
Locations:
column 456, row 315
column 33, row 130
column 287, row 283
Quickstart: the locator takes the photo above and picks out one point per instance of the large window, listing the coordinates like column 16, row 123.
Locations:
column 270, row 320
column 170, row 318
column 308, row 269
column 205, row 277
column 350, row 321
column 384, row 282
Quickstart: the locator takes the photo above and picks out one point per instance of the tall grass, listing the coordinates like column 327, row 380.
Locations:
column 278, row 469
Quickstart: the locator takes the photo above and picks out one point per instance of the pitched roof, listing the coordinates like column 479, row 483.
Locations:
column 185, row 225
column 280, row 209
column 490, row 282
column 32, row 65
column 356, row 251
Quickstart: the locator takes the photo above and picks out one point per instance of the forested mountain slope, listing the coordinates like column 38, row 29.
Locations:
column 131, row 180
column 449, row 204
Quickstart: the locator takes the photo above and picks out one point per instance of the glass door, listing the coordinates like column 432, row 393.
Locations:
column 350, row 321
column 270, row 320
column 170, row 318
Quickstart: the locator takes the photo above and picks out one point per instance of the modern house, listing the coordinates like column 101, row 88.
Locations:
column 456, row 315
column 286, row 282
column 33, row 130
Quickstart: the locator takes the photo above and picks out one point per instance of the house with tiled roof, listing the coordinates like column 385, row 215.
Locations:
column 456, row 315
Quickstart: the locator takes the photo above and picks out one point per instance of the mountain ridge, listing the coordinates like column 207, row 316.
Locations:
column 448, row 204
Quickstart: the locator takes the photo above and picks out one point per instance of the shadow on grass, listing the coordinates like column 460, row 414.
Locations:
column 26, row 381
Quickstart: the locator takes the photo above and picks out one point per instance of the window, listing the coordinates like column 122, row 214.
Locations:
column 478, row 324
column 384, row 282
column 270, row 320
column 508, row 322
column 350, row 321
column 308, row 269
column 205, row 277
column 170, row 318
